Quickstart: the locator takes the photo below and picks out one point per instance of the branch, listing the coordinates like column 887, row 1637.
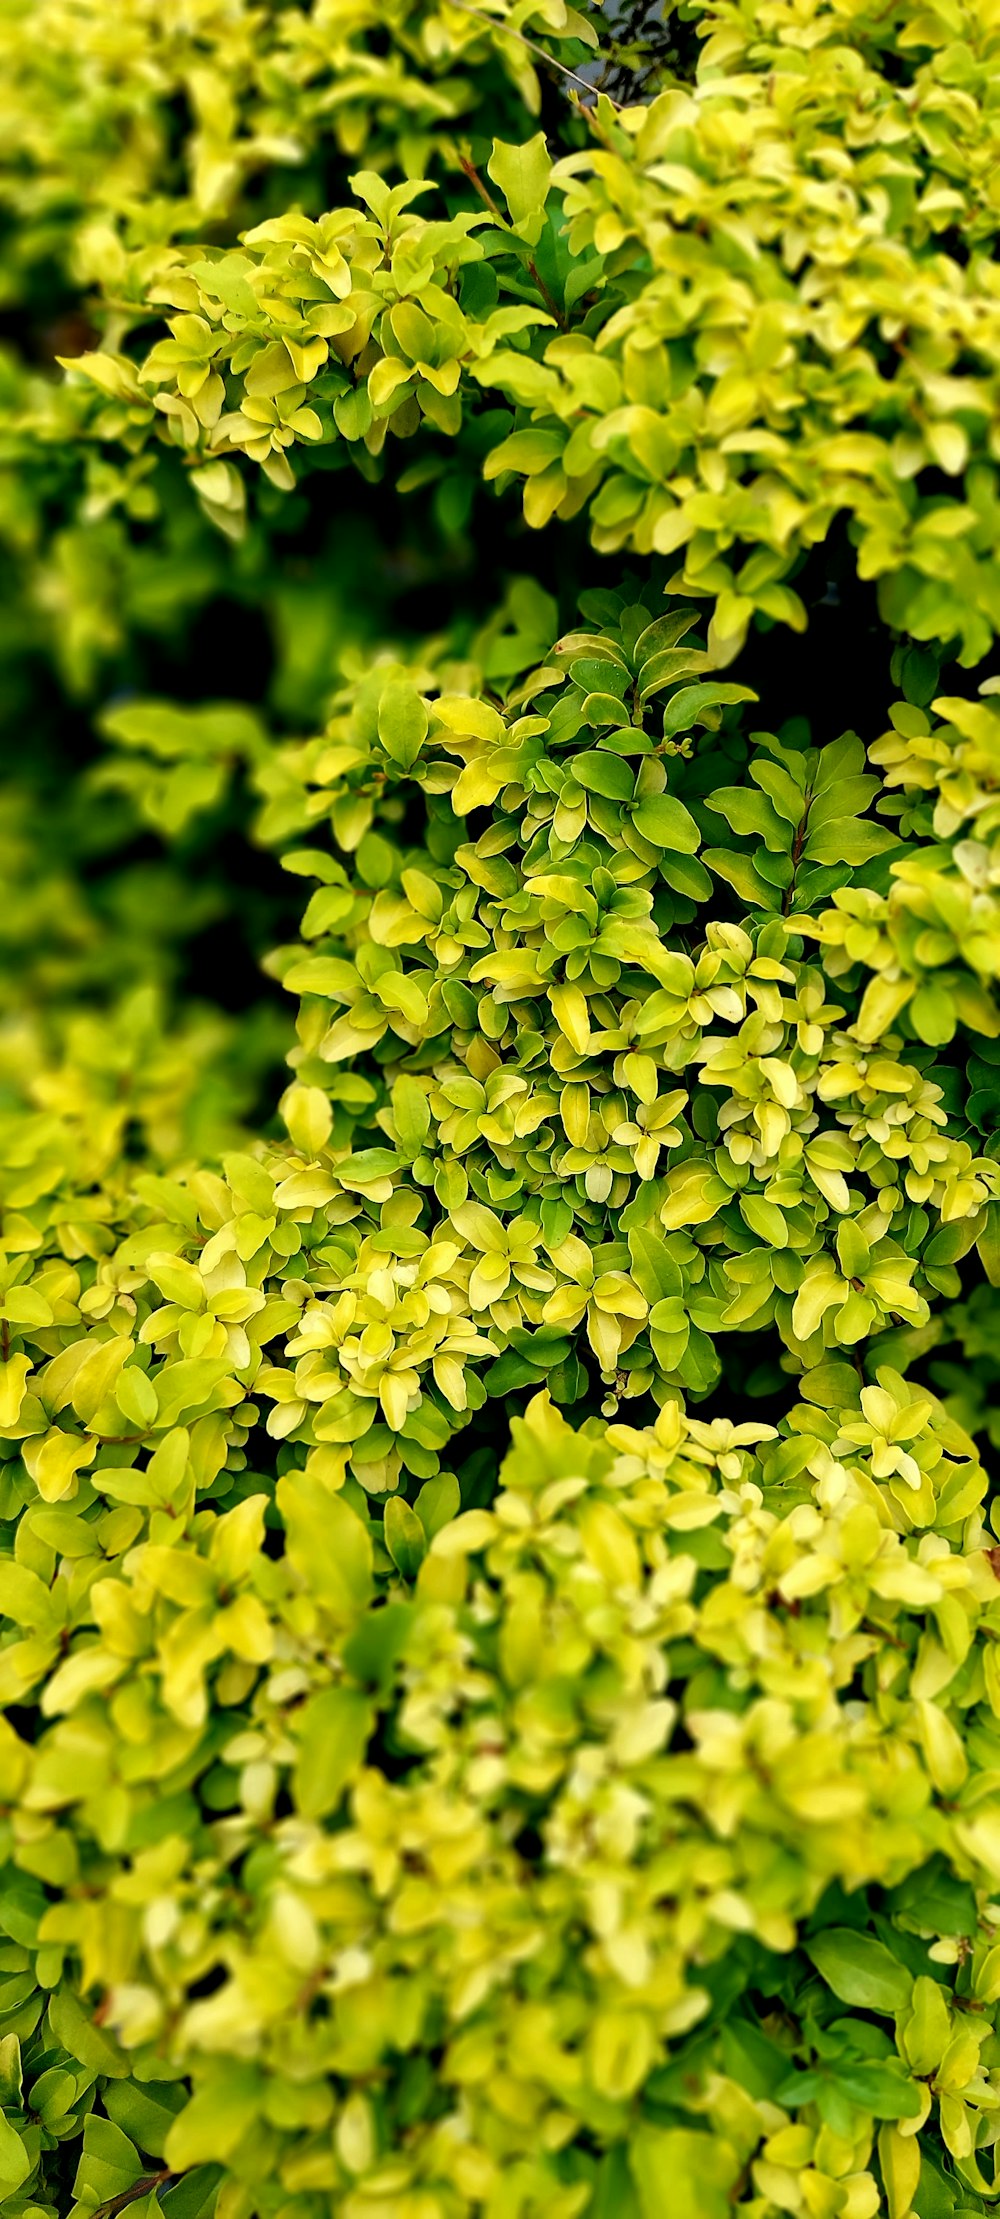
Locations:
column 507, row 31
column 469, row 169
column 131, row 2195
column 468, row 166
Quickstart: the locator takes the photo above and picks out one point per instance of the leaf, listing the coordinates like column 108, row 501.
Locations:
column 135, row 1395
column 601, row 709
column 988, row 1244
column 543, row 1349
column 327, row 1544
column 400, row 990
column 845, row 797
column 599, row 773
column 415, row 332
column 665, row 670
column 15, row 2164
column 192, row 2197
column 372, row 1651
column 752, row 2059
column 95, row 1377
column 933, row 1014
column 881, row 1003
column 654, row 1270
column 333, row 1735
column 14, row 1375
column 145, row 2112
column 688, row 706
column 11, row 2073
column 438, row 1501
column 22, row 1905
column 681, row 2172
column 527, row 452
column 948, row 1903
column 662, row 634
column 197, row 1383
column 353, row 413
column 512, row 1371
column 687, row 876
column 402, row 722
column 572, row 1015
column 942, row 2196
column 309, row 1117
column 839, row 763
column 75, row 2032
column 465, row 1535
column 787, row 794
column 226, row 279
column 751, row 816
column 764, row 1219
column 522, row 173
column 177, row 734
column 405, row 1538
column 410, row 1114
column 614, row 2195
column 25, row 1306
column 884, row 2090
column 109, row 2162
column 665, row 823
column 593, row 675
column 739, row 872
column 212, row 2126
column 178, row 1281
column 25, row 1599
column 860, row 1970
column 849, row 840
column 271, row 372
column 481, row 1226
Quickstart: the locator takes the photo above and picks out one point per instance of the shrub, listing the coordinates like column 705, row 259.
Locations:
column 499, row 1586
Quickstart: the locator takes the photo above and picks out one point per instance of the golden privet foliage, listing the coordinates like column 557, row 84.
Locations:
column 499, row 1649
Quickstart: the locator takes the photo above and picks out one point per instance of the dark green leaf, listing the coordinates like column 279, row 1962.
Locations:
column 860, row 1970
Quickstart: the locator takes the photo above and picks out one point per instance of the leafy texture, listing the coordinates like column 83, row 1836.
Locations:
column 499, row 1112
column 763, row 328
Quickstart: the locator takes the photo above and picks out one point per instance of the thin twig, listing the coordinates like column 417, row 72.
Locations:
column 507, row 31
column 801, row 831
column 467, row 164
column 131, row 2195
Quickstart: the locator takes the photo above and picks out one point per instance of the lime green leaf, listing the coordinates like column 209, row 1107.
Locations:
column 604, row 774
column 215, row 2121
column 109, row 2164
column 74, row 2031
column 688, row 707
column 680, row 2171
column 522, row 173
column 439, row 1499
column 665, row 823
column 402, row 722
column 405, row 1538
column 327, row 1544
column 333, row 1734
column 751, row 816
column 15, row 2164
column 601, row 709
column 848, row 840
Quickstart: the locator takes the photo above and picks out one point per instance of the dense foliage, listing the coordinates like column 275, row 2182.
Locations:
column 500, row 1110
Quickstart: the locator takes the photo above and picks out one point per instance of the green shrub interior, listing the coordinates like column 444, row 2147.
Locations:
column 499, row 1106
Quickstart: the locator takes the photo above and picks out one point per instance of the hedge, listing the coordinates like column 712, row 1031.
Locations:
column 500, row 1146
